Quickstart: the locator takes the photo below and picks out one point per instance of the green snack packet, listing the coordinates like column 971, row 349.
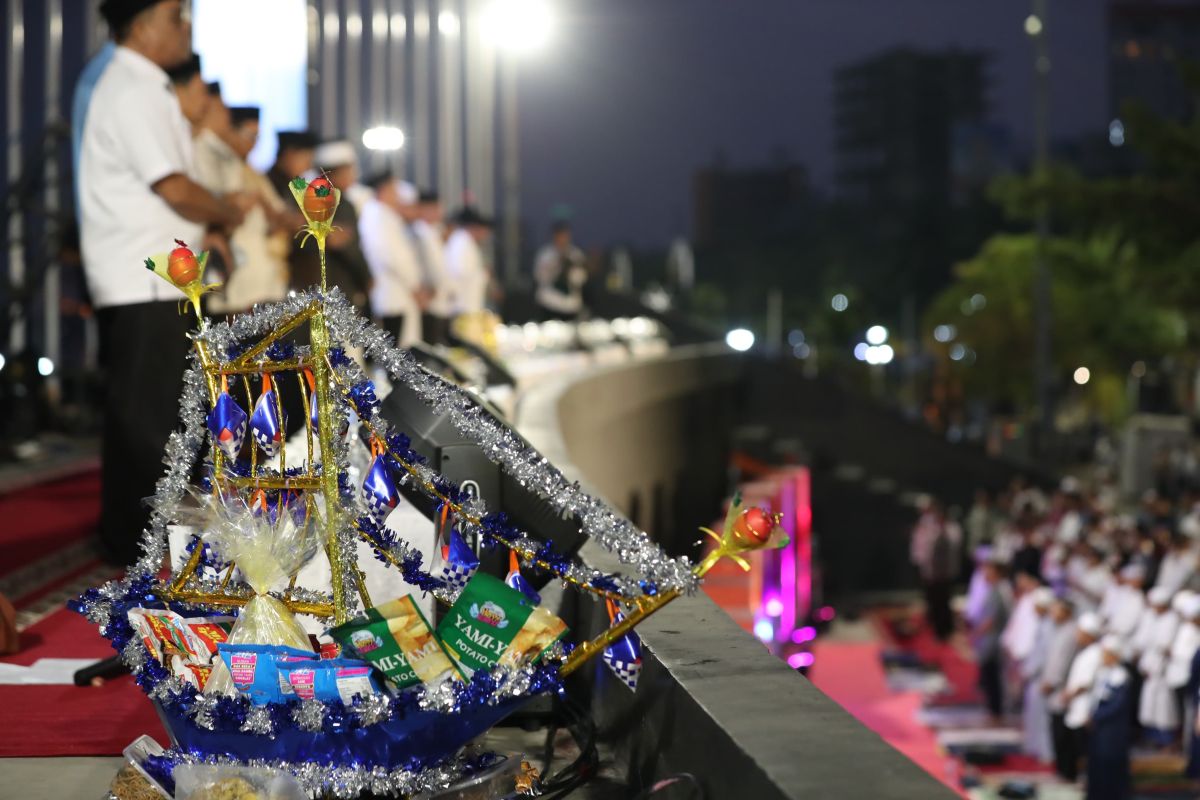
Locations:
column 397, row 639
column 492, row 623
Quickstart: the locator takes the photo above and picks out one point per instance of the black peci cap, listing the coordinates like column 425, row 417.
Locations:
column 470, row 215
column 240, row 114
column 214, row 89
column 297, row 140
column 117, row 12
column 427, row 196
column 380, row 179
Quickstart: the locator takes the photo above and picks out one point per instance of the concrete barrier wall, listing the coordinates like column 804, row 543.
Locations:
column 712, row 700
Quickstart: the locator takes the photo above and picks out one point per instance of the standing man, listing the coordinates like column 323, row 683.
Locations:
column 560, row 272
column 190, row 90
column 1110, row 738
column 345, row 265
column 397, row 295
column 934, row 550
column 985, row 639
column 1070, row 743
column 293, row 159
column 466, row 270
column 1034, row 716
column 137, row 195
column 1059, row 655
column 260, row 244
column 427, row 228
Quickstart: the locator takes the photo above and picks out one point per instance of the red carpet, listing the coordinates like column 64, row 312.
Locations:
column 48, row 517
column 71, row 720
column 851, row 674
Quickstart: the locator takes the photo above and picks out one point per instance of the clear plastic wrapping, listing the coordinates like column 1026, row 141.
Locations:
column 226, row 782
column 269, row 545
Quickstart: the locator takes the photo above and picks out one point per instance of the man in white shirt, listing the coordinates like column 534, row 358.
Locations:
column 1060, row 652
column 466, row 271
column 398, row 293
column 560, row 272
column 1076, row 696
column 430, row 240
column 136, row 197
column 1157, row 711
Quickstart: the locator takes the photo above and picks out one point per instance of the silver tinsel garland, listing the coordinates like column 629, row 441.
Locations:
column 321, row 780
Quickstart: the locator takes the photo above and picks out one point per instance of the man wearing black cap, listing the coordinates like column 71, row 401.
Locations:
column 427, row 228
column 190, row 90
column 293, row 158
column 218, row 167
column 137, row 195
column 260, row 244
column 466, row 272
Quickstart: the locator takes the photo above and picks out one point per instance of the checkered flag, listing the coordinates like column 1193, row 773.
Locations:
column 624, row 656
column 459, row 562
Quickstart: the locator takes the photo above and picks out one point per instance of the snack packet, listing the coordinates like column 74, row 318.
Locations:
column 195, row 674
column 492, row 623
column 330, row 679
column 256, row 669
column 167, row 634
column 400, row 642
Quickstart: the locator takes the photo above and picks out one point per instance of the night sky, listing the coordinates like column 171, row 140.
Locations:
column 632, row 96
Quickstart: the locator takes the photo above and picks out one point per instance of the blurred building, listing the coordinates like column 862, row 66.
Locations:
column 729, row 205
column 1146, row 42
column 895, row 118
column 913, row 153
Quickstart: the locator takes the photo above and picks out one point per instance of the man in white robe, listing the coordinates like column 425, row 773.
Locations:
column 1125, row 611
column 1157, row 711
column 1064, row 643
column 1178, row 565
column 1034, row 715
column 1077, row 691
column 1179, row 662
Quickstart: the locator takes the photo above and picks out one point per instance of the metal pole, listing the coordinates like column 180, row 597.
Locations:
column 512, row 170
column 1043, row 310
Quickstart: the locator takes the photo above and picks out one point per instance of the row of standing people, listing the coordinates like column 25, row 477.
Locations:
column 1082, row 617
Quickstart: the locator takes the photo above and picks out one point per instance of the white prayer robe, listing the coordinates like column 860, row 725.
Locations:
column 1183, row 649
column 1083, row 673
column 1035, row 715
column 1156, row 705
column 1021, row 630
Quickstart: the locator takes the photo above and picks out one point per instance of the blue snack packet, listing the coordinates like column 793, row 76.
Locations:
column 255, row 669
column 331, row 679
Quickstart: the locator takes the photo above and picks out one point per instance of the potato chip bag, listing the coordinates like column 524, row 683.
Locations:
column 492, row 623
column 400, row 642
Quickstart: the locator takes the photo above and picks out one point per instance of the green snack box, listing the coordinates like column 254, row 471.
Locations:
column 492, row 623
column 397, row 639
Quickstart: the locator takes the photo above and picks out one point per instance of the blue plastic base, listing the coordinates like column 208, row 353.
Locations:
column 420, row 738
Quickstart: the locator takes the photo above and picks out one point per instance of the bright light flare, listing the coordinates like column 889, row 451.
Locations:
column 383, row 137
column 1082, row 375
column 520, row 26
column 740, row 339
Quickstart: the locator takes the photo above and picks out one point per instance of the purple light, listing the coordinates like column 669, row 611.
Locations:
column 800, row 660
column 764, row 630
column 774, row 607
column 825, row 614
column 805, row 634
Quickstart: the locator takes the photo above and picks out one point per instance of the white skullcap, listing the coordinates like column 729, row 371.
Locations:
column 1190, row 607
column 1159, row 596
column 1042, row 596
column 408, row 193
column 332, row 155
column 1113, row 644
column 1090, row 624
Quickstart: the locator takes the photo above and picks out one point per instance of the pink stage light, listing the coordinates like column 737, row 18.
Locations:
column 805, row 634
column 800, row 660
column 826, row 614
column 774, row 607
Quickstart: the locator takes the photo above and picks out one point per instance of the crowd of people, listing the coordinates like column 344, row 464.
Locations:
column 159, row 156
column 1083, row 616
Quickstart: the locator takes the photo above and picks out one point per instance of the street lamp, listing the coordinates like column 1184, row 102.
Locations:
column 515, row 28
